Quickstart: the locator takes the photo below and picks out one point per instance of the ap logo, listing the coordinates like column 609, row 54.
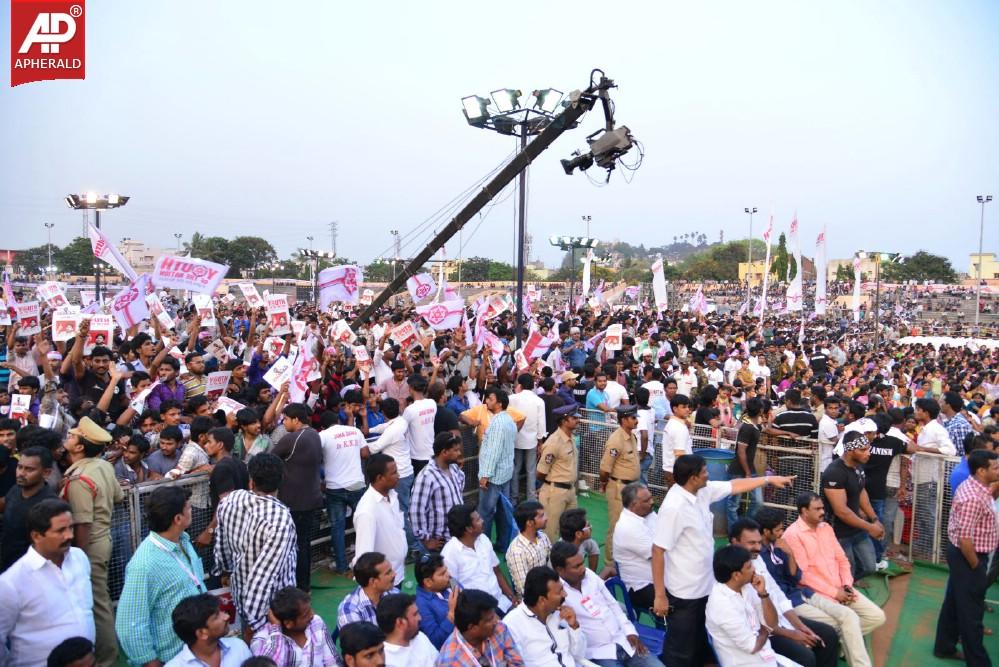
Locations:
column 47, row 40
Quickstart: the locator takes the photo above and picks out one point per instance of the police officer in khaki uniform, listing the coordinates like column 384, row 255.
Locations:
column 91, row 490
column 559, row 468
column 619, row 466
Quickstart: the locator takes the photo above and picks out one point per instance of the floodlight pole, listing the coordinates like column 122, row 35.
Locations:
column 564, row 121
column 983, row 200
column 520, row 240
column 877, row 300
column 97, row 264
column 572, row 275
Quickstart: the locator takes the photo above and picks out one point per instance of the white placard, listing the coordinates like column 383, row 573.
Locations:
column 217, row 383
column 279, row 373
column 28, row 322
column 64, row 326
column 278, row 317
column 101, row 331
column 612, row 340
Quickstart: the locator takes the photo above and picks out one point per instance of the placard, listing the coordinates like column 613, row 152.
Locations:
column 227, row 405
column 251, row 295
column 278, row 317
column 101, row 331
column 274, row 345
column 217, row 350
column 362, row 360
column 157, row 310
column 52, row 294
column 342, row 333
column 297, row 327
column 20, row 407
column 405, row 335
column 28, row 322
column 217, row 383
column 612, row 340
column 64, row 326
column 138, row 402
column 206, row 310
column 279, row 373
column 87, row 297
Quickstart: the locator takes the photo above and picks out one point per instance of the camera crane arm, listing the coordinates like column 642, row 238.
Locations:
column 581, row 102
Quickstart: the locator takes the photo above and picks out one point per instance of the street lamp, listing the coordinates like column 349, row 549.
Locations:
column 749, row 259
column 49, row 226
column 96, row 203
column 587, row 219
column 506, row 115
column 571, row 243
column 983, row 200
column 178, row 236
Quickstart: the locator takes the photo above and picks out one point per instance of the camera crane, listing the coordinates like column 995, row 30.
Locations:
column 606, row 146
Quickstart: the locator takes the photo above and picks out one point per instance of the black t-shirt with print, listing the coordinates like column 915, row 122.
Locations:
column 883, row 452
column 842, row 477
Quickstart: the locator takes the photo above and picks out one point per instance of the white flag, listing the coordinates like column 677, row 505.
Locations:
column 766, row 267
column 820, row 273
column 129, row 306
column 659, row 285
column 421, row 286
column 339, row 283
column 188, row 273
column 856, row 289
column 795, row 291
column 587, row 260
column 443, row 315
column 105, row 251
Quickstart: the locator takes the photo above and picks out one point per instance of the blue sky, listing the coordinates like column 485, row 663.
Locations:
column 875, row 120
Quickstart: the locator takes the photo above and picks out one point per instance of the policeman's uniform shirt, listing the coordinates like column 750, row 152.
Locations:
column 620, row 457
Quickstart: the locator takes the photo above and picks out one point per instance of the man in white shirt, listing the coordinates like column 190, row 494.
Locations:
column 677, row 440
column 545, row 628
column 203, row 626
column 616, row 393
column 392, row 440
column 344, row 479
column 611, row 639
column 715, row 376
column 686, row 378
column 740, row 614
column 470, row 558
column 46, row 594
column 405, row 646
column 419, row 416
column 681, row 554
column 378, row 520
column 633, row 543
column 933, row 439
column 732, row 365
column 658, row 400
column 806, row 642
column 530, row 435
column 829, row 430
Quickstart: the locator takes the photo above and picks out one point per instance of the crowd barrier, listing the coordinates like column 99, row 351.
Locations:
column 923, row 538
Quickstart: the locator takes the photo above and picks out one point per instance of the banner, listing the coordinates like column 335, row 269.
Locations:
column 766, row 268
column 612, row 340
column 856, row 289
column 188, row 273
column 129, row 306
column 659, row 285
column 443, row 315
column 820, row 273
column 278, row 317
column 421, row 286
column 339, row 283
column 795, row 292
column 249, row 290
column 52, row 294
column 105, row 251
column 64, row 326
column 587, row 260
column 28, row 320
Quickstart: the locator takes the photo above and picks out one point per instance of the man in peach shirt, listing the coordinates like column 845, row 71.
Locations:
column 825, row 570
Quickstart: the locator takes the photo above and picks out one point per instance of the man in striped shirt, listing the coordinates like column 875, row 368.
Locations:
column 797, row 418
column 438, row 488
column 256, row 541
column 495, row 458
column 973, row 534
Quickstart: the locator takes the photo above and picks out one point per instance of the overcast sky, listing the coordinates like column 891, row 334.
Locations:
column 877, row 120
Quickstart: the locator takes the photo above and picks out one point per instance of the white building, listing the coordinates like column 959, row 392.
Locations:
column 140, row 257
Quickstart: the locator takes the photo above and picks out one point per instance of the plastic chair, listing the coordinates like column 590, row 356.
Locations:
column 653, row 638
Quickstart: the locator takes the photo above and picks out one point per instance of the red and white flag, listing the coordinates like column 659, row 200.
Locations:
column 443, row 315
column 105, row 251
column 339, row 283
column 536, row 344
column 188, row 273
column 795, row 292
column 129, row 306
column 820, row 274
column 421, row 286
column 766, row 267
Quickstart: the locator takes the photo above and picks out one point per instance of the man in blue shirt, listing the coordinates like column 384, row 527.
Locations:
column 574, row 350
column 496, row 458
column 433, row 598
column 597, row 398
column 961, row 472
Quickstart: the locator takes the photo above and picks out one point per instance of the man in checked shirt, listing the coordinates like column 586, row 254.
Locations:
column 437, row 489
column 972, row 534
column 255, row 541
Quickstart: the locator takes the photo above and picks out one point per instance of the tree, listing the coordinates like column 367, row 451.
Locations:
column 77, row 258
column 248, row 252
column 379, row 272
column 783, row 265
column 844, row 273
column 34, row 260
column 718, row 262
column 920, row 266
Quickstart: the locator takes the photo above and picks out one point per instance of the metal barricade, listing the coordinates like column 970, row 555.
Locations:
column 926, row 524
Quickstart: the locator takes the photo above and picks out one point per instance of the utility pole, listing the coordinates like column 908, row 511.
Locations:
column 49, row 226
column 983, row 200
column 334, row 229
column 587, row 219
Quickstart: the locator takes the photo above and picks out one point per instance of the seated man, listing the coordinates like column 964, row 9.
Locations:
column 363, row 644
column 545, row 629
column 531, row 547
column 435, row 598
column 806, row 642
column 479, row 637
column 633, row 543
column 470, row 558
column 375, row 578
column 203, row 626
column 294, row 634
column 740, row 614
column 611, row 639
column 825, row 570
column 405, row 645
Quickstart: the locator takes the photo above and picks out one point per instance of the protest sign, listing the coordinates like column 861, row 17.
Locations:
column 251, row 295
column 64, row 326
column 20, row 407
column 279, row 373
column 188, row 273
column 206, row 310
column 52, row 294
column 217, row 349
column 612, row 341
column 28, row 320
column 274, row 345
column 217, row 383
column 405, row 335
column 342, row 333
column 100, row 334
column 138, row 402
column 157, row 310
column 278, row 317
column 362, row 360
column 227, row 405
column 87, row 297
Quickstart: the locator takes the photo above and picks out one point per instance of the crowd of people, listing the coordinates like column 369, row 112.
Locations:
column 376, row 431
